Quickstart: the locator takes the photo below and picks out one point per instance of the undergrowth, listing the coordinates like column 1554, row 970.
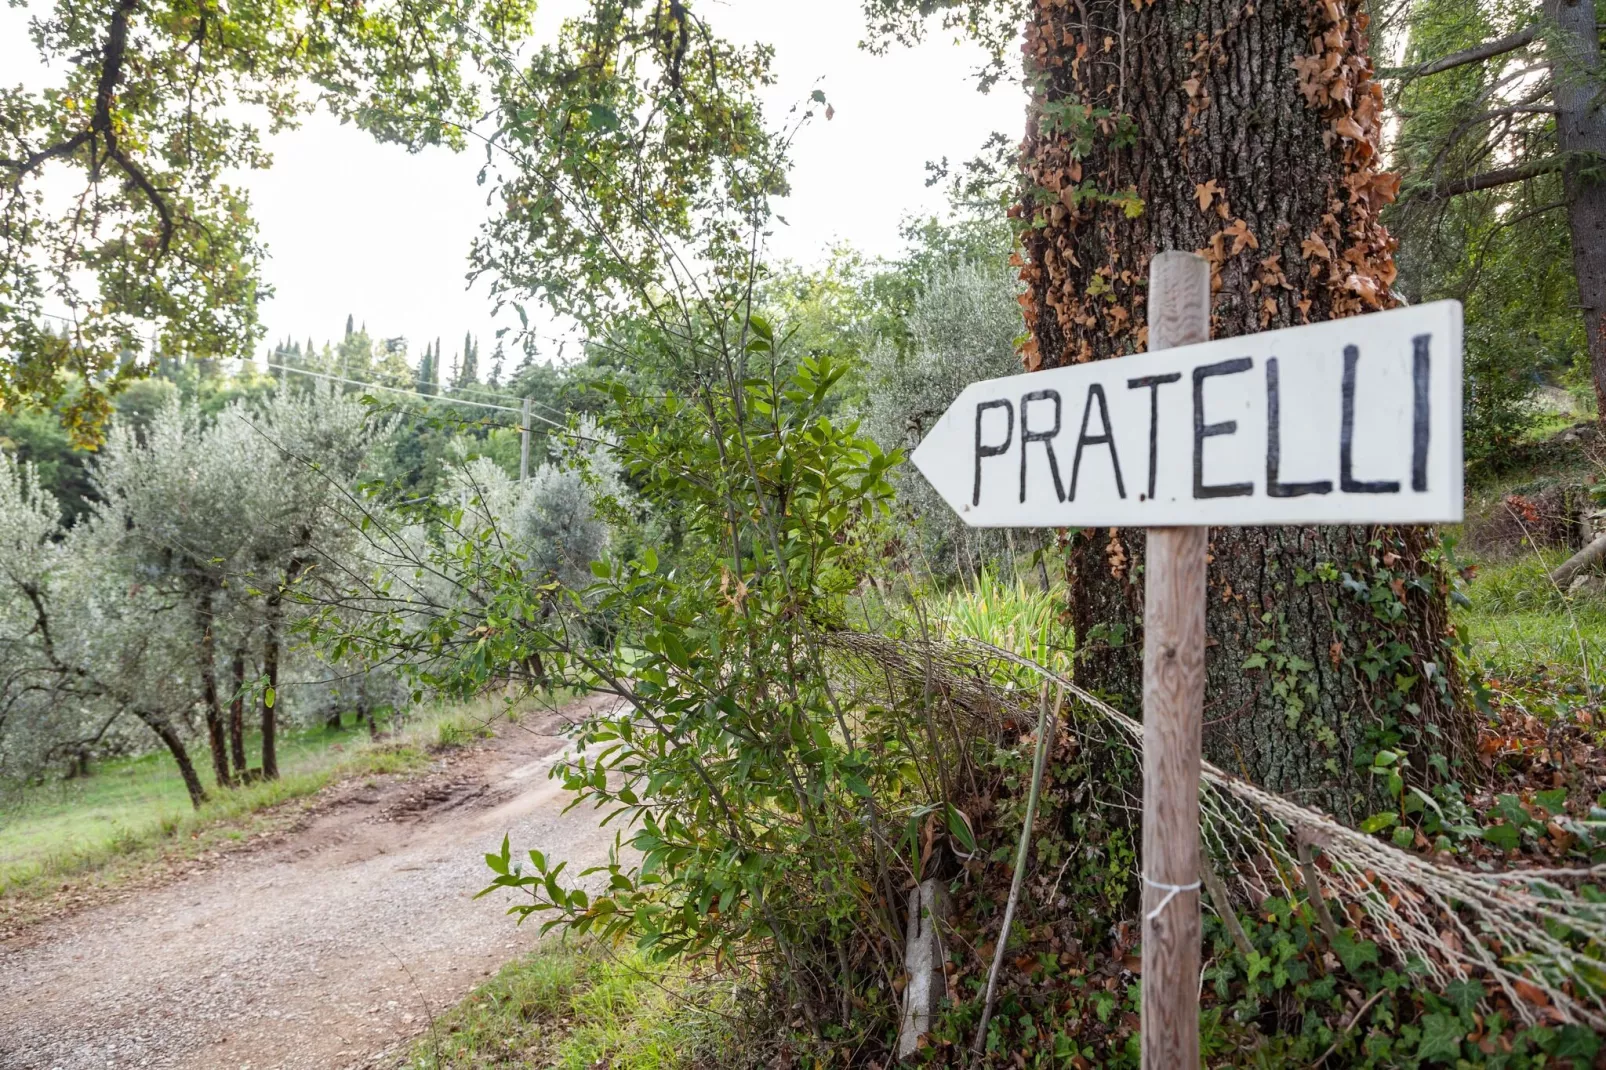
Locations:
column 578, row 1005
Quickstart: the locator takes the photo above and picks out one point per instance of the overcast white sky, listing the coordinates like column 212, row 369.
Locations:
column 352, row 226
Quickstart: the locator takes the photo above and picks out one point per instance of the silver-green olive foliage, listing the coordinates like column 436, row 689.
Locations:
column 100, row 624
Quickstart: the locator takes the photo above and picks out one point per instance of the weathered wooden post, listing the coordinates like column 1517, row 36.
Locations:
column 1173, row 705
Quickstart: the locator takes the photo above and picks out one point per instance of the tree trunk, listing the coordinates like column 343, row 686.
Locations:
column 270, row 668
column 270, row 692
column 1247, row 133
column 214, row 705
column 1581, row 136
column 237, row 713
column 175, row 747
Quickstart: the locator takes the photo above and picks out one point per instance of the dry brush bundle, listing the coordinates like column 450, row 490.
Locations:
column 1531, row 937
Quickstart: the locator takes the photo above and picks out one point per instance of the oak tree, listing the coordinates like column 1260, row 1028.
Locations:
column 115, row 207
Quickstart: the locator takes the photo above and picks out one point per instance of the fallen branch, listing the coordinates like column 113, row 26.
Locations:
column 1588, row 557
column 1221, row 901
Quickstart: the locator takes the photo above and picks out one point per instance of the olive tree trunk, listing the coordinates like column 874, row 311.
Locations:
column 272, row 644
column 1246, row 133
column 206, row 618
column 175, row 746
column 237, row 714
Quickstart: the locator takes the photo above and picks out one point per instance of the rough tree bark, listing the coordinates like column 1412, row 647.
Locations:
column 1246, row 132
column 209, row 692
column 1574, row 53
column 175, row 746
column 272, row 640
column 237, row 713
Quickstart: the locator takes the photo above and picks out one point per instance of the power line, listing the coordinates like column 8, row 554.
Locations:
column 392, row 389
column 416, row 394
column 380, row 386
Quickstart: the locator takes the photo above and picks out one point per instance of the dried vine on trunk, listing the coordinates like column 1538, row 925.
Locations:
column 1247, row 132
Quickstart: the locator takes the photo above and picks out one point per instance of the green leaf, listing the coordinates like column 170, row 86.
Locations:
column 1464, row 994
column 1441, row 1038
column 1353, row 951
column 1505, row 837
column 1379, row 822
column 1577, row 1042
column 1404, row 836
column 959, row 828
column 268, row 695
column 1554, row 801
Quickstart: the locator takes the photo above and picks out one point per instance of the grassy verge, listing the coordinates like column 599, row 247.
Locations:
column 1518, row 620
column 132, row 815
column 577, row 1005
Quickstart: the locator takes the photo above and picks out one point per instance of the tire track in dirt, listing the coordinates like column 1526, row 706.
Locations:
column 329, row 949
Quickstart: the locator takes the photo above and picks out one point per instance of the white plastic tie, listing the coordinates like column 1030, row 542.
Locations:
column 1171, row 892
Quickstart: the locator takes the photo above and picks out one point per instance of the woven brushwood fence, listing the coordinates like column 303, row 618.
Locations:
column 1533, row 934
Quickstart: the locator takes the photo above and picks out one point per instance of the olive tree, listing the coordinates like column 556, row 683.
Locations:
column 963, row 326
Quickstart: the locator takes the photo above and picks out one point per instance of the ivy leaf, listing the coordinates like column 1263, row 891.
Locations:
column 1441, row 1038
column 1504, row 837
column 1554, row 801
column 1578, row 1043
column 1354, row 952
column 1464, row 994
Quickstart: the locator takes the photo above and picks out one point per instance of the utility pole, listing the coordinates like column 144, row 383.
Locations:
column 524, row 445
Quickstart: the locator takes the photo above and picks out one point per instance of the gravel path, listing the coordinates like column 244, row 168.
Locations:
column 326, row 950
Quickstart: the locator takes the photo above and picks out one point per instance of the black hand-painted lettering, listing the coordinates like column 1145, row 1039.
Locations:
column 1274, row 445
column 1028, row 436
column 1419, row 411
column 1346, row 438
column 1105, row 437
column 1153, row 382
column 1202, row 430
column 991, row 451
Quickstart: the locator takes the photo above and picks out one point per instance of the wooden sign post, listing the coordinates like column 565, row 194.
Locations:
column 1174, row 561
column 1354, row 421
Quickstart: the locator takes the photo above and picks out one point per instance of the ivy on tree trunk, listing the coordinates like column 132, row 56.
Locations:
column 1247, row 132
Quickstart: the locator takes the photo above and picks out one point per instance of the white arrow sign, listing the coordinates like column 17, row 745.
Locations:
column 1351, row 421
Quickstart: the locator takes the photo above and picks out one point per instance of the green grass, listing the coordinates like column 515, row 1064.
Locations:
column 1518, row 619
column 1016, row 615
column 577, row 1005
column 128, row 810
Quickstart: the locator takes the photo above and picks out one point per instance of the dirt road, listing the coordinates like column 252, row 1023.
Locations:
column 328, row 949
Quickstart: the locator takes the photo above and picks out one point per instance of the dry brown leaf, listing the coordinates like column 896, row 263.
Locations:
column 1532, row 993
column 1349, row 128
